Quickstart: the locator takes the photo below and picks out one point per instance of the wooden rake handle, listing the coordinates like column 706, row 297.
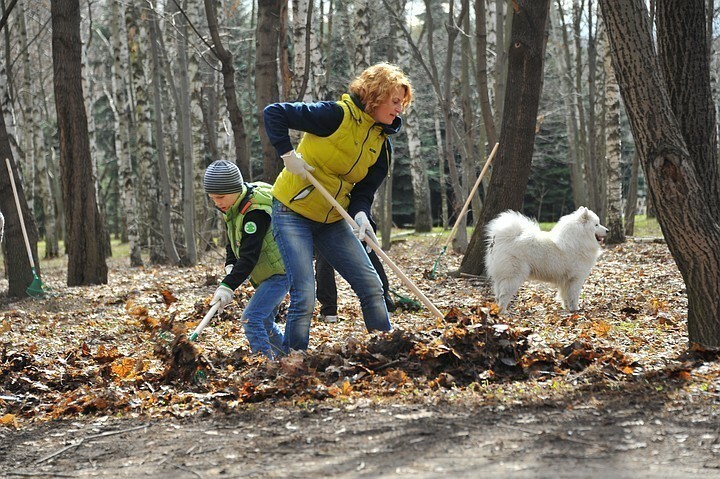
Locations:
column 375, row 247
column 470, row 196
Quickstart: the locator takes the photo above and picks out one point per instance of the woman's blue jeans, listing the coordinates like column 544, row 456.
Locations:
column 296, row 237
column 258, row 319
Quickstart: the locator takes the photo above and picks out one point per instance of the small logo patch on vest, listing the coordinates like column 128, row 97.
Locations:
column 250, row 227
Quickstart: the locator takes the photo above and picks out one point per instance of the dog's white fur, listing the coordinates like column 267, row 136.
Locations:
column 517, row 251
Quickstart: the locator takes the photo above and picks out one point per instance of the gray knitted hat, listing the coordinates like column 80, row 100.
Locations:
column 222, row 178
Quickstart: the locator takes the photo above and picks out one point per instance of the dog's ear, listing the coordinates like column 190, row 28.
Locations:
column 584, row 214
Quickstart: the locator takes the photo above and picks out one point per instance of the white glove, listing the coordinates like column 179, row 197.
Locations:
column 365, row 230
column 295, row 164
column 223, row 295
column 229, row 268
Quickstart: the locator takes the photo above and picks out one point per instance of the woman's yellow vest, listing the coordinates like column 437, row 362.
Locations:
column 256, row 196
column 340, row 160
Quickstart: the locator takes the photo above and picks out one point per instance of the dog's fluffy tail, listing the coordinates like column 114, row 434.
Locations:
column 508, row 226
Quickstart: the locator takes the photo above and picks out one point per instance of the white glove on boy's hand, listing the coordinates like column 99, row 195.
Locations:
column 223, row 295
column 365, row 230
column 295, row 164
column 228, row 268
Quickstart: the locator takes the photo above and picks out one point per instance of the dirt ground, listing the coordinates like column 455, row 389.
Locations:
column 639, row 408
column 612, row 438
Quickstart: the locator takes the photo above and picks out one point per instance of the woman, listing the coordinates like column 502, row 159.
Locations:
column 346, row 147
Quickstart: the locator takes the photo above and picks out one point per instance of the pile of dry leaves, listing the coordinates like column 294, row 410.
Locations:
column 122, row 349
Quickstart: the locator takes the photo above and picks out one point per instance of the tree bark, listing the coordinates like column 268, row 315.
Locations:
column 266, row 78
column 186, row 138
column 565, row 71
column 481, row 72
column 126, row 175
column 632, row 197
column 687, row 76
column 512, row 167
column 86, row 253
column 165, row 200
column 242, row 157
column 613, row 152
column 17, row 264
column 691, row 231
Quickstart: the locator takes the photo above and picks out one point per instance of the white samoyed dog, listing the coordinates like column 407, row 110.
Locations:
column 517, row 251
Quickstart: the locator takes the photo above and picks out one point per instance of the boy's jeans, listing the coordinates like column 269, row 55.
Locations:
column 296, row 236
column 258, row 319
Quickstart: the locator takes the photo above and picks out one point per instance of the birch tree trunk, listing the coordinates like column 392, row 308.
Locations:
column 597, row 185
column 561, row 45
column 470, row 159
column 362, row 36
column 35, row 145
column 165, row 199
column 123, row 121
column 418, row 173
column 481, row 65
column 632, row 197
column 577, row 96
column 444, row 209
column 302, row 16
column 503, row 27
column 418, row 164
column 317, row 55
column 186, row 136
column 612, row 153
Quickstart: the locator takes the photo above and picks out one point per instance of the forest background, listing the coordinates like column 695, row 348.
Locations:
column 170, row 86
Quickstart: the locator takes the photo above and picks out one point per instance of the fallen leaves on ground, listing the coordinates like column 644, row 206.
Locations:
column 122, row 348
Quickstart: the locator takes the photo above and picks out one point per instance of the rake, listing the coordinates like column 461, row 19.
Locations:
column 35, row 290
column 375, row 247
column 464, row 210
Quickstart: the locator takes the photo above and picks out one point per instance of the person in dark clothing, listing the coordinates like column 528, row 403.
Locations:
column 326, row 288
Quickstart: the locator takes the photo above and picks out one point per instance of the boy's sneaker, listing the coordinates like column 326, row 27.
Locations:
column 330, row 318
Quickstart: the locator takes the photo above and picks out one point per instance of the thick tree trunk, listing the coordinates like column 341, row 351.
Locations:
column 691, row 232
column 86, row 253
column 517, row 138
column 17, row 264
column 687, row 76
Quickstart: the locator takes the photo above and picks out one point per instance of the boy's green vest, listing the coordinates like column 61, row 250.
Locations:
column 340, row 160
column 256, row 196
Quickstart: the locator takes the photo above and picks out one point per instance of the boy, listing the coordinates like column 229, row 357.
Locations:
column 251, row 253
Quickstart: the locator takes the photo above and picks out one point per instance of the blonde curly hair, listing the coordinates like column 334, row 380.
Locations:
column 375, row 84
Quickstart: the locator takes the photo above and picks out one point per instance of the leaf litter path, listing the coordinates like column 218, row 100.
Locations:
column 90, row 384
